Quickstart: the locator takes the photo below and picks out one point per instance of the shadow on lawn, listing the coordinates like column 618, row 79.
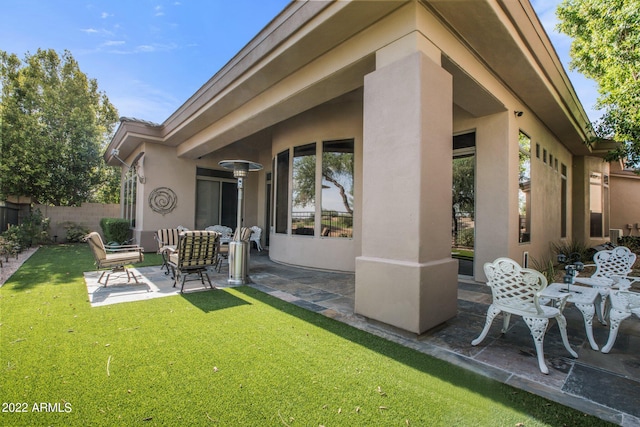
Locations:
column 213, row 300
column 527, row 403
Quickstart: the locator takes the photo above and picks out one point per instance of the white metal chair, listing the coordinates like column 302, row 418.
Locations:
column 516, row 290
column 115, row 258
column 611, row 266
column 256, row 236
column 224, row 231
column 624, row 303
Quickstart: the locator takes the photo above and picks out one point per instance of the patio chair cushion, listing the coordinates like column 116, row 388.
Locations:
column 167, row 237
column 115, row 257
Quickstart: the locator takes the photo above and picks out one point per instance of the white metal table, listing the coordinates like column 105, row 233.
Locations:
column 583, row 298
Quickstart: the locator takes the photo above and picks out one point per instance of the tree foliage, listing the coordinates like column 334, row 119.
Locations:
column 54, row 124
column 336, row 169
column 606, row 48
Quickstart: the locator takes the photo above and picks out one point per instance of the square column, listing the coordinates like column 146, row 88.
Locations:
column 406, row 276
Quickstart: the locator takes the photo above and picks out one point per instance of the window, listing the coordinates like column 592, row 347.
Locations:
column 321, row 189
column 595, row 204
column 599, row 204
column 605, row 216
column 563, row 201
column 524, row 188
column 216, row 198
column 130, row 189
column 303, row 195
column 282, row 191
column 337, row 188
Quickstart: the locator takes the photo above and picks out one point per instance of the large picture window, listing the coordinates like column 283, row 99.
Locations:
column 303, row 196
column 524, row 188
column 282, row 191
column 130, row 190
column 321, row 189
column 595, row 204
column 337, row 188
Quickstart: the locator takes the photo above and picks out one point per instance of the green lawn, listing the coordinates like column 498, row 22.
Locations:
column 223, row 358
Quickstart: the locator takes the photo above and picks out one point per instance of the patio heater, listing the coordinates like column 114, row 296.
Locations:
column 239, row 250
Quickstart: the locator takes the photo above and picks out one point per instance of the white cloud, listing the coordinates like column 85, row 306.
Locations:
column 114, row 43
column 135, row 98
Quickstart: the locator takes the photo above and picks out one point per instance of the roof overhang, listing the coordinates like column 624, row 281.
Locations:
column 507, row 36
column 131, row 134
column 262, row 85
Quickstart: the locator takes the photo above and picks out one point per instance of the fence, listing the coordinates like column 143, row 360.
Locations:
column 9, row 215
column 334, row 223
column 463, row 230
column 88, row 215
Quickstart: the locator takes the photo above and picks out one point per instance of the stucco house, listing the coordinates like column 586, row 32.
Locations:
column 358, row 111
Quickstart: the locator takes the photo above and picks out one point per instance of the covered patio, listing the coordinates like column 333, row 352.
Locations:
column 604, row 385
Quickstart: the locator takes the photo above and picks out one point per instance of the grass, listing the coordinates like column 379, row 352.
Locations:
column 467, row 254
column 223, row 358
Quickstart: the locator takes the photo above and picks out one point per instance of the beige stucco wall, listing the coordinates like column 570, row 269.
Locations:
column 582, row 167
column 341, row 119
column 87, row 215
column 162, row 168
column 625, row 200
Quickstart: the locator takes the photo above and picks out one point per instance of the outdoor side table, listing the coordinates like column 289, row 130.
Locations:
column 166, row 252
column 583, row 298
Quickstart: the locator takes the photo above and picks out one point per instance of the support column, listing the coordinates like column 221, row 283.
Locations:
column 406, row 276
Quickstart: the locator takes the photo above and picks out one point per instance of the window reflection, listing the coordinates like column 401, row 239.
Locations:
column 337, row 188
column 303, row 205
column 524, row 188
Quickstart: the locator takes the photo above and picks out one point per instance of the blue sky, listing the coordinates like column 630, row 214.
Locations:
column 150, row 56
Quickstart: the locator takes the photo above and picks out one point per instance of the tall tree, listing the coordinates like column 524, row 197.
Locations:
column 54, row 124
column 606, row 48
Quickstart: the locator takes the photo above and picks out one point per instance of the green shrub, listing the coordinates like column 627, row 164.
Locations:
column 547, row 265
column 33, row 230
column 115, row 229
column 75, row 232
column 632, row 242
column 466, row 237
column 570, row 247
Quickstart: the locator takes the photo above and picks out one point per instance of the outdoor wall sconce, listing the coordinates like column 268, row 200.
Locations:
column 137, row 163
column 518, row 113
